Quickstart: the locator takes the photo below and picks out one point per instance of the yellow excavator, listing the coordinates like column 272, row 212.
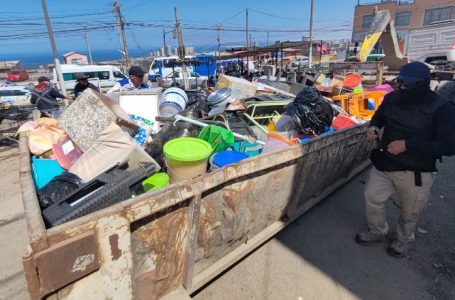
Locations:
column 382, row 28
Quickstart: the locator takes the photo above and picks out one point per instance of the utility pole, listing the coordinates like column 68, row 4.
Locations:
column 58, row 69
column 164, row 39
column 267, row 38
column 218, row 39
column 247, row 45
column 310, row 56
column 122, row 36
column 181, row 49
column 88, row 45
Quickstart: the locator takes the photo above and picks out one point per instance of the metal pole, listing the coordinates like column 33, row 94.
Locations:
column 122, row 35
column 310, row 55
column 164, row 39
column 58, row 69
column 88, row 46
column 247, row 45
column 218, row 38
column 267, row 38
column 181, row 50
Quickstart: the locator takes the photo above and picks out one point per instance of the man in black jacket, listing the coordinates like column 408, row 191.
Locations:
column 45, row 96
column 419, row 128
column 82, row 84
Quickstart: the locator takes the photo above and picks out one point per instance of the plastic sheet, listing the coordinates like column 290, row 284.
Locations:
column 58, row 188
column 219, row 138
column 310, row 112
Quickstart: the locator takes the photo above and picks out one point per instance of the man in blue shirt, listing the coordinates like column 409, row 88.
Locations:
column 135, row 82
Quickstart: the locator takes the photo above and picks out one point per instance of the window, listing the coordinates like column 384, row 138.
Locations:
column 438, row 15
column 102, row 75
column 76, row 61
column 5, row 93
column 67, row 76
column 19, row 93
column 367, row 20
column 403, row 18
column 118, row 74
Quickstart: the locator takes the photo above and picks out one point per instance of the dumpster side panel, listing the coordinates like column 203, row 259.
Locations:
column 159, row 245
column 190, row 232
column 113, row 279
column 241, row 208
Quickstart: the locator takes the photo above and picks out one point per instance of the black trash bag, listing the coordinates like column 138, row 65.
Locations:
column 311, row 113
column 58, row 188
column 197, row 99
column 169, row 132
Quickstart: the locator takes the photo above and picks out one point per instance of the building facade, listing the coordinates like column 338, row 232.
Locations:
column 75, row 58
column 407, row 14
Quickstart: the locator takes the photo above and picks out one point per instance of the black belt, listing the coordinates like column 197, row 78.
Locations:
column 418, row 178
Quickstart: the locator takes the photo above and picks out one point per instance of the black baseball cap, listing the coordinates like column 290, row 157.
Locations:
column 136, row 71
column 79, row 76
column 414, row 73
column 43, row 79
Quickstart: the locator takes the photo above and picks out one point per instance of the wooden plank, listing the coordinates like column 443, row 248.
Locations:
column 379, row 73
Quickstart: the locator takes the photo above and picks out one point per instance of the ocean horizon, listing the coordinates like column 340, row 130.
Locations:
column 34, row 60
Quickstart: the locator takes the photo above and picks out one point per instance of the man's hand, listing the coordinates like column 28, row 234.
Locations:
column 372, row 133
column 397, row 147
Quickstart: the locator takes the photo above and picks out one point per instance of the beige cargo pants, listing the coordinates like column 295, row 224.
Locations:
column 381, row 185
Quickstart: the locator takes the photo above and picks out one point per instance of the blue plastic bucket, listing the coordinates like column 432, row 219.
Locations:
column 225, row 158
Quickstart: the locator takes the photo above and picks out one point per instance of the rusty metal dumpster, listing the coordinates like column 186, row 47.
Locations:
column 188, row 233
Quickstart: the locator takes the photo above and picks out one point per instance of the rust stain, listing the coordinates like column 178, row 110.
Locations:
column 115, row 251
column 158, row 245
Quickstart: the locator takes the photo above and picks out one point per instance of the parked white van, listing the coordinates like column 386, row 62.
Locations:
column 102, row 76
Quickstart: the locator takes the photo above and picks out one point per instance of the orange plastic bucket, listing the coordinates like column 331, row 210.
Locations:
column 352, row 81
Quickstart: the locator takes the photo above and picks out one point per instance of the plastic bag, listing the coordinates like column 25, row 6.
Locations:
column 58, row 188
column 169, row 132
column 218, row 137
column 310, row 111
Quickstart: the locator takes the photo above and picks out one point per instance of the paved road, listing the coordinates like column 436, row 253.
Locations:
column 316, row 257
column 13, row 236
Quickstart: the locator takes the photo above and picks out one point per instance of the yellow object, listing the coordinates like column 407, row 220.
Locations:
column 368, row 44
column 272, row 124
column 362, row 106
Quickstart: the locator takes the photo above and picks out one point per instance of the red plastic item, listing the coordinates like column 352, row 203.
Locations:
column 352, row 80
column 66, row 152
column 342, row 121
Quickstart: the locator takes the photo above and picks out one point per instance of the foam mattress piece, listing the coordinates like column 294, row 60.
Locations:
column 89, row 115
column 114, row 146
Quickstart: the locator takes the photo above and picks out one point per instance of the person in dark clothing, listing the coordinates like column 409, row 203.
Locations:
column 418, row 129
column 82, row 84
column 45, row 96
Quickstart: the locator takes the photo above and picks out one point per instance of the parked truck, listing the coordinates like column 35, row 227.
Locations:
column 431, row 43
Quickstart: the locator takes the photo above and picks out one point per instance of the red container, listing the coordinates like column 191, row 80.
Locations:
column 66, row 152
column 342, row 121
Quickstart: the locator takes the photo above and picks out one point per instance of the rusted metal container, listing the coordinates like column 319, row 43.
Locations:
column 182, row 236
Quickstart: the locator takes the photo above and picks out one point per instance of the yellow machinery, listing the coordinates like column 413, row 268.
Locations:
column 383, row 28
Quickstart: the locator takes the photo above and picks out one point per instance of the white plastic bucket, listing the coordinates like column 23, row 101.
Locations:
column 172, row 101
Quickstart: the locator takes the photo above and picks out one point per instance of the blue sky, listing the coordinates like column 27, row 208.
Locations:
column 146, row 18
